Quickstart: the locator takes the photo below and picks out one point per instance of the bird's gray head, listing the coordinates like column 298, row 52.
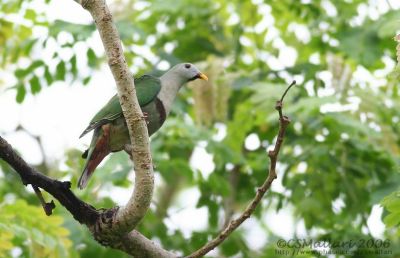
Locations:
column 189, row 72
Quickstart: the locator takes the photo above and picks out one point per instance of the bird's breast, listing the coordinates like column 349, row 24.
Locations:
column 156, row 115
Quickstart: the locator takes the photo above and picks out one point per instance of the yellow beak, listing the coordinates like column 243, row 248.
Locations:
column 203, row 76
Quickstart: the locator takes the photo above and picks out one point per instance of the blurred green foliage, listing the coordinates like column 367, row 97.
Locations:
column 27, row 226
column 340, row 156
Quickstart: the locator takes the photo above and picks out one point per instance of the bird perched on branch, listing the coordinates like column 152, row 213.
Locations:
column 155, row 96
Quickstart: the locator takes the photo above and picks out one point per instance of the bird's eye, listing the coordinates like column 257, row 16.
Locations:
column 187, row 66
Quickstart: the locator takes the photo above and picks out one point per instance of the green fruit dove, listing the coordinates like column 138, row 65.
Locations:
column 155, row 96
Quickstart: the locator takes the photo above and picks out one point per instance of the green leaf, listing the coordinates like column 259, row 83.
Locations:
column 35, row 64
column 92, row 58
column 30, row 14
column 74, row 69
column 27, row 47
column 21, row 73
column 388, row 24
column 35, row 85
column 60, row 71
column 21, row 92
column 392, row 202
column 21, row 221
column 391, row 220
column 48, row 76
column 86, row 80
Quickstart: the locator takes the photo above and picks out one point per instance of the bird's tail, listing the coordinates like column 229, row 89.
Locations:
column 82, row 182
column 99, row 148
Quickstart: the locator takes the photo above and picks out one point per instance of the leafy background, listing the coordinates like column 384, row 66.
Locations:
column 340, row 162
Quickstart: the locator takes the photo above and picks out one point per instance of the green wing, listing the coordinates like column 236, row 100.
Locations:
column 147, row 88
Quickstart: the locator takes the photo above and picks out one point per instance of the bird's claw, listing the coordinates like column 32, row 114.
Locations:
column 146, row 117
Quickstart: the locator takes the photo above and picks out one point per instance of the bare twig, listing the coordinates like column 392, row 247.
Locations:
column 273, row 155
column 286, row 91
column 279, row 103
column 47, row 206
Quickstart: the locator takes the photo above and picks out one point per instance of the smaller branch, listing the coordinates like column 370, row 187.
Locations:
column 47, row 206
column 279, row 103
column 43, row 166
column 287, row 90
column 273, row 156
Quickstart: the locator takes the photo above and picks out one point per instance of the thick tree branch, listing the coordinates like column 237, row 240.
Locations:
column 81, row 211
column 126, row 218
column 132, row 243
column 273, row 156
column 136, row 243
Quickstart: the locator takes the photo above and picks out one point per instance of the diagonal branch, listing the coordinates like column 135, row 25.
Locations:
column 81, row 211
column 132, row 243
column 126, row 218
column 273, row 156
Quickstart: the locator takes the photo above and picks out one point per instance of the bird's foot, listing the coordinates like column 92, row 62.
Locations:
column 146, row 117
column 128, row 149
